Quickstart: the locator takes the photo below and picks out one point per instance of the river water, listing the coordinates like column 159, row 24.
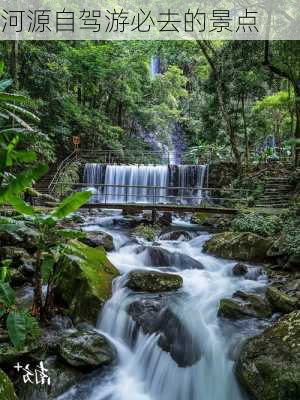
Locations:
column 143, row 370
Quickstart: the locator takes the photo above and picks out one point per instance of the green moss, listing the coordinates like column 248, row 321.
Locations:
column 85, row 281
column 280, row 301
column 269, row 365
column 240, row 246
column 7, row 391
column 147, row 232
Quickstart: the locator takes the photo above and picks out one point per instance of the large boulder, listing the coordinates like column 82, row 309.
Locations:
column 179, row 235
column 10, row 355
column 244, row 305
column 23, row 236
column 269, row 364
column 240, row 269
column 155, row 316
column 144, row 281
column 7, row 391
column 98, row 239
column 85, row 281
column 212, row 222
column 62, row 378
column 281, row 301
column 86, row 349
column 241, row 246
column 157, row 256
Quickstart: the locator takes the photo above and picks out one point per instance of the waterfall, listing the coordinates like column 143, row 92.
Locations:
column 145, row 183
column 143, row 371
column 155, row 66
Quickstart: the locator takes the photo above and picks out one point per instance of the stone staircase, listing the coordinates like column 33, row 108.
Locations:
column 42, row 186
column 278, row 191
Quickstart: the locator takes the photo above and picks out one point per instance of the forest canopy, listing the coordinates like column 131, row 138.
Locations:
column 235, row 96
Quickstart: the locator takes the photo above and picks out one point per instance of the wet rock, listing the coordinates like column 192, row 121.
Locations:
column 24, row 237
column 209, row 221
column 165, row 219
column 176, row 235
column 7, row 391
column 269, row 364
column 11, row 355
column 281, row 301
column 240, row 269
column 84, row 282
column 86, row 349
column 155, row 316
column 98, row 239
column 62, row 377
column 145, row 313
column 241, row 246
column 20, row 258
column 293, row 263
column 244, row 305
column 158, row 257
column 144, row 281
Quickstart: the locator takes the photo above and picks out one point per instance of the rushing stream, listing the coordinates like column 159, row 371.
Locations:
column 143, row 370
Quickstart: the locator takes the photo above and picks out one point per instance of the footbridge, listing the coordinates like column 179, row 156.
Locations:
column 162, row 186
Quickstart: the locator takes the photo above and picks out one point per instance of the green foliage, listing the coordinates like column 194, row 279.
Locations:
column 147, row 232
column 22, row 327
column 290, row 237
column 16, row 327
column 71, row 204
column 264, row 225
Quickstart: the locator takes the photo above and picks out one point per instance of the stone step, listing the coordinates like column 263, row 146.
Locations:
column 273, row 204
column 276, row 199
column 276, row 190
column 279, row 187
column 276, row 178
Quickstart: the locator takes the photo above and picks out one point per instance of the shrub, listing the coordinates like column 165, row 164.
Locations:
column 147, row 232
column 264, row 225
column 290, row 238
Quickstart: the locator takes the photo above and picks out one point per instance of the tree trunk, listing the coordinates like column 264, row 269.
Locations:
column 15, row 63
column 37, row 307
column 297, row 130
column 206, row 48
column 245, row 133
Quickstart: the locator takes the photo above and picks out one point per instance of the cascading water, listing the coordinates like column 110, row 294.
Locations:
column 155, row 66
column 145, row 183
column 144, row 371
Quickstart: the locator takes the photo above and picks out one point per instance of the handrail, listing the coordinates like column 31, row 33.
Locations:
column 60, row 168
column 156, row 187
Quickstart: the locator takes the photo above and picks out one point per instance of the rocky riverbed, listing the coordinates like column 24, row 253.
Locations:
column 191, row 305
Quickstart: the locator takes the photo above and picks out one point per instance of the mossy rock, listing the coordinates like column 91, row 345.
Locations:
column 11, row 355
column 7, row 391
column 143, row 281
column 86, row 349
column 99, row 239
column 244, row 305
column 280, row 301
column 85, row 280
column 269, row 364
column 243, row 246
column 62, row 375
column 207, row 220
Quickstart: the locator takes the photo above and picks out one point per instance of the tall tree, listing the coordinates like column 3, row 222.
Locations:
column 283, row 59
column 212, row 57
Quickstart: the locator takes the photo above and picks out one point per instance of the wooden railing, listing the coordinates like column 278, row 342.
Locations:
column 154, row 195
